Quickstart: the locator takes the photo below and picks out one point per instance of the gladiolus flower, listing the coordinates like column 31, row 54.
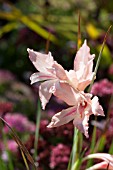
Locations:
column 52, row 72
column 68, row 86
column 106, row 164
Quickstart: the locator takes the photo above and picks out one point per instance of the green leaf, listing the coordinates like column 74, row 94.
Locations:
column 26, row 20
column 8, row 27
column 39, row 30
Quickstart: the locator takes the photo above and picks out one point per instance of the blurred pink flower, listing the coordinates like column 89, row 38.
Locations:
column 12, row 146
column 59, row 156
column 82, row 108
column 19, row 122
column 53, row 73
column 106, row 164
column 102, row 88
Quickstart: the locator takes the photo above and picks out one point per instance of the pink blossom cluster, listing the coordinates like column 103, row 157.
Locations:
column 59, row 157
column 68, row 86
column 102, row 88
column 10, row 145
column 19, row 122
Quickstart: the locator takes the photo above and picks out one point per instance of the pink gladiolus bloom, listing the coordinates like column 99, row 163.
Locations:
column 68, row 86
column 82, row 106
column 52, row 72
column 107, row 163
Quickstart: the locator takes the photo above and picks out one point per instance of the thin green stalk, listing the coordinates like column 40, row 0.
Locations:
column 37, row 129
column 25, row 161
column 99, row 58
column 93, row 141
column 78, row 162
column 73, row 154
column 75, row 147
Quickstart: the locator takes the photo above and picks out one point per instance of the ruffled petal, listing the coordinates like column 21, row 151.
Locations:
column 63, row 117
column 41, row 61
column 81, row 122
column 96, row 107
column 59, row 71
column 36, row 77
column 45, row 91
column 72, row 78
column 83, row 56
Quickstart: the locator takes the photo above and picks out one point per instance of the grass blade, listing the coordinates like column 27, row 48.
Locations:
column 20, row 144
column 25, row 161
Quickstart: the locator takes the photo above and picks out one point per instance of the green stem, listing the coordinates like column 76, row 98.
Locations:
column 73, row 155
column 37, row 129
column 75, row 148
column 99, row 58
column 25, row 161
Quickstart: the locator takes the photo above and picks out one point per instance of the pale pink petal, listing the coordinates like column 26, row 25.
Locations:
column 84, row 83
column 96, row 107
column 42, row 62
column 36, row 77
column 88, row 69
column 59, row 71
column 81, row 122
column 66, row 93
column 72, row 78
column 45, row 91
column 101, row 166
column 104, row 156
column 63, row 117
column 82, row 56
column 81, row 71
column 76, row 79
